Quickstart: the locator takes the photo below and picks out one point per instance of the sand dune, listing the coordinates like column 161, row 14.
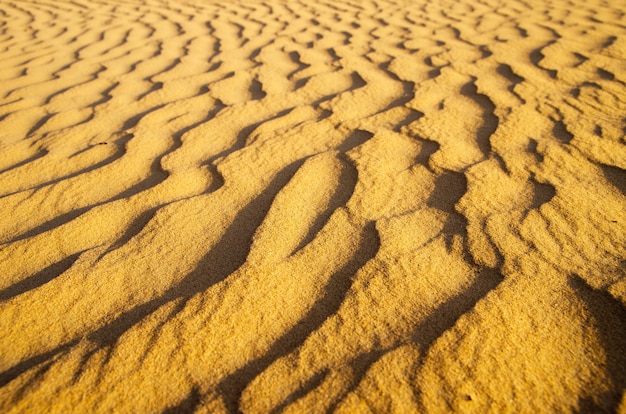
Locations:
column 303, row 206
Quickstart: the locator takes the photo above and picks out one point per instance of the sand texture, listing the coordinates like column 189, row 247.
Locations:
column 268, row 206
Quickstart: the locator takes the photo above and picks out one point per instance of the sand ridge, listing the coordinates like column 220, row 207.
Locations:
column 353, row 206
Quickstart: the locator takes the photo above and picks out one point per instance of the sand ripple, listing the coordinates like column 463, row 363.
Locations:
column 264, row 206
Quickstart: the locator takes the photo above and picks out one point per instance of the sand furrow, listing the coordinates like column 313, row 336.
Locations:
column 295, row 206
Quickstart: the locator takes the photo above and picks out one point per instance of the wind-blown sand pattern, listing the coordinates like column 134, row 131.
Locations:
column 303, row 206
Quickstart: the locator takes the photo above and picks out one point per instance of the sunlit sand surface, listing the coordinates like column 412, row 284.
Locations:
column 312, row 205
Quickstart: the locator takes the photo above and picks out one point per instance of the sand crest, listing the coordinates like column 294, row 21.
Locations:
column 309, row 206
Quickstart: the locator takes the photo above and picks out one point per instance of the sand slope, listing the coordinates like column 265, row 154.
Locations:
column 301, row 206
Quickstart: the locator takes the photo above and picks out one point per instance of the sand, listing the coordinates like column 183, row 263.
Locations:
column 312, row 205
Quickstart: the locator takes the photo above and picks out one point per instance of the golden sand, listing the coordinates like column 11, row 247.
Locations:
column 312, row 205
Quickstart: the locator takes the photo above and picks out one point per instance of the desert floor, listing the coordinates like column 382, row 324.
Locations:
column 312, row 205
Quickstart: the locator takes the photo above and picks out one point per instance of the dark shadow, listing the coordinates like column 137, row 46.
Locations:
column 35, row 379
column 51, row 224
column 240, row 30
column 446, row 315
column 106, row 96
column 427, row 149
column 39, row 279
column 255, row 53
column 616, row 176
column 542, row 193
column 300, row 83
column 345, row 187
column 168, row 68
column 356, row 138
column 536, row 56
column 409, row 119
column 217, row 108
column 156, row 86
column 490, row 120
column 581, row 59
column 243, row 135
column 435, row 71
column 324, row 113
column 188, row 405
column 14, row 372
column 609, row 320
column 456, row 225
column 316, row 103
column 217, row 46
column 408, row 89
column 591, row 85
column 605, row 74
column 450, row 186
column 63, row 90
column 134, row 120
column 39, row 124
column 357, row 81
column 532, row 149
column 256, row 90
column 360, row 365
column 506, row 72
column 560, row 132
column 314, row 382
column 152, row 181
column 218, row 179
column 40, row 154
column 334, row 294
column 133, row 229
column 333, row 55
column 295, row 58
column 4, row 116
column 597, row 130
column 609, row 41
column 121, row 150
column 485, row 51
